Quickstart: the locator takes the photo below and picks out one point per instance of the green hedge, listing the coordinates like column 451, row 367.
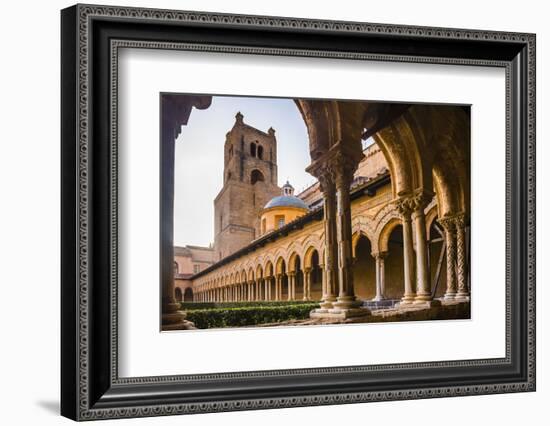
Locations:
column 219, row 305
column 246, row 316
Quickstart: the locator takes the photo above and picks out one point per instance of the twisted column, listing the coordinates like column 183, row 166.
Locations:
column 460, row 223
column 449, row 226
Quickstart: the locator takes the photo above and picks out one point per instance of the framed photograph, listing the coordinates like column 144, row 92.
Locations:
column 263, row 212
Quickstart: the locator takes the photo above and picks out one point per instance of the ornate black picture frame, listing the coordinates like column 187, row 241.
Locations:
column 91, row 387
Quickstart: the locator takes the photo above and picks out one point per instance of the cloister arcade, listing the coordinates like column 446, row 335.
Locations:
column 427, row 150
column 274, row 273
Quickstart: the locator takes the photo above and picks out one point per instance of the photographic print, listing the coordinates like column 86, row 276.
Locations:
column 283, row 186
column 298, row 212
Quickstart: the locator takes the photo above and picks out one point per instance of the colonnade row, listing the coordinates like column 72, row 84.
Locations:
column 268, row 288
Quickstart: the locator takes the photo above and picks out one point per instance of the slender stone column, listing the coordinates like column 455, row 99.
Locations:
column 380, row 276
column 448, row 224
column 328, row 188
column 278, row 287
column 344, row 176
column 307, row 284
column 291, row 285
column 460, row 223
column 323, row 277
column 423, row 286
column 408, row 255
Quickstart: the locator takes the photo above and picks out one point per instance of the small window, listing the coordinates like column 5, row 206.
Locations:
column 196, row 269
column 256, row 176
column 280, row 219
column 260, row 152
column 176, row 268
column 264, row 223
column 253, row 149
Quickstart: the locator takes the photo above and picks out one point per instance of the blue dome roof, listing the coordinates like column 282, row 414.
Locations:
column 286, row 201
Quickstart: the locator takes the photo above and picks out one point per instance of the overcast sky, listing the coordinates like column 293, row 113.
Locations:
column 199, row 158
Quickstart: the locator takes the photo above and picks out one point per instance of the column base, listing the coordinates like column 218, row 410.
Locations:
column 462, row 297
column 347, row 302
column 407, row 300
column 340, row 314
column 427, row 303
column 378, row 298
column 426, row 300
column 173, row 319
column 449, row 296
column 326, row 304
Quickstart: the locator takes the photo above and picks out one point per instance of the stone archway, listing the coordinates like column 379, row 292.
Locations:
column 364, row 269
column 394, row 275
column 188, row 295
column 178, row 295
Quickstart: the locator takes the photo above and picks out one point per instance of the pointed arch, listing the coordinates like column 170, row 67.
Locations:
column 385, row 233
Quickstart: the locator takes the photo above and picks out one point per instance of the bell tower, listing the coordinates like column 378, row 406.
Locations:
column 249, row 182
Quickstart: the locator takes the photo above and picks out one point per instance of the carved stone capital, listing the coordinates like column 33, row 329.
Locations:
column 336, row 167
column 453, row 222
column 448, row 223
column 460, row 221
column 404, row 207
column 414, row 203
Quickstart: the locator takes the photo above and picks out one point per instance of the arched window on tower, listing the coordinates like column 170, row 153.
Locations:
column 256, row 176
column 176, row 268
column 260, row 152
column 252, row 149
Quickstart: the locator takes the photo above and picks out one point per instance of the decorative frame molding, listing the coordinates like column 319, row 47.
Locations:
column 91, row 37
